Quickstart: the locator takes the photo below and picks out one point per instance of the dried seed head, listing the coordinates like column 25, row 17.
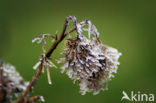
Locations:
column 88, row 62
column 11, row 83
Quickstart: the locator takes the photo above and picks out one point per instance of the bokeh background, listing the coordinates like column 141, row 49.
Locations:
column 128, row 25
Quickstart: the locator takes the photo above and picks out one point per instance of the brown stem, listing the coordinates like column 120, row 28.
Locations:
column 32, row 99
column 31, row 84
column 39, row 71
column 63, row 35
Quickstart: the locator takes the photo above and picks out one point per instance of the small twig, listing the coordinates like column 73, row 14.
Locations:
column 39, row 71
column 32, row 99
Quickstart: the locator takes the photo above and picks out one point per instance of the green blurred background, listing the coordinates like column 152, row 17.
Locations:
column 128, row 25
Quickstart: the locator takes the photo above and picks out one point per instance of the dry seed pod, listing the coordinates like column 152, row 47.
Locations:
column 89, row 62
column 11, row 83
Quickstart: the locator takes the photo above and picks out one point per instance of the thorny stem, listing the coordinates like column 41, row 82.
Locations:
column 31, row 84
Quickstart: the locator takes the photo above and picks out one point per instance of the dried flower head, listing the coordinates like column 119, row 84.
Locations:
column 11, row 83
column 89, row 62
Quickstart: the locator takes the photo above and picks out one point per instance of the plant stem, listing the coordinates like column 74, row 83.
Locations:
column 36, row 76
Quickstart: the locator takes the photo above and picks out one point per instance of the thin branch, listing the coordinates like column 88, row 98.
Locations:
column 32, row 99
column 39, row 71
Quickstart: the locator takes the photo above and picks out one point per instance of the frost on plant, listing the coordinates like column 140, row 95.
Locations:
column 11, row 83
column 89, row 62
column 46, row 61
column 86, row 61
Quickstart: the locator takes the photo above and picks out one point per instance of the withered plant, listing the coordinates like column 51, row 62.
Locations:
column 87, row 61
